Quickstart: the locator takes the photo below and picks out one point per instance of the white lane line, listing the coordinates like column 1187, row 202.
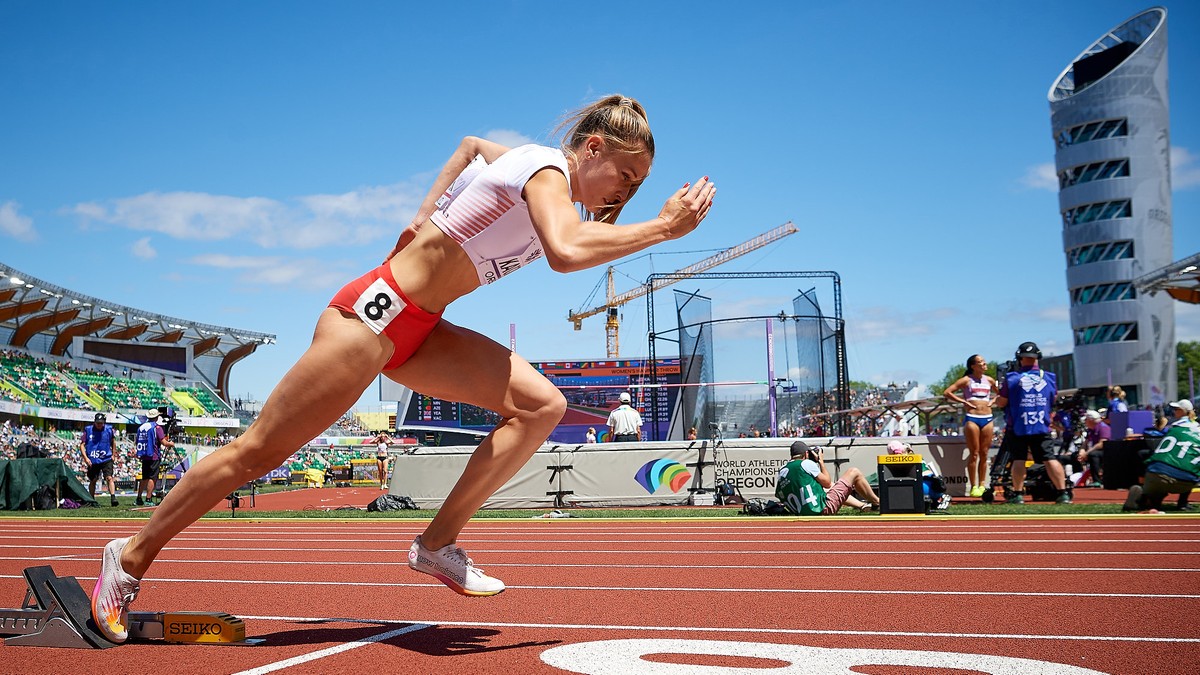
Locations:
column 330, row 651
column 652, row 589
column 642, row 550
column 753, row 630
column 623, row 566
column 674, row 552
column 792, row 529
column 1087, row 521
column 558, row 530
column 707, row 540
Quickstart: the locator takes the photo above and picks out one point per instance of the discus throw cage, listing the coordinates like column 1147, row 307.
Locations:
column 836, row 399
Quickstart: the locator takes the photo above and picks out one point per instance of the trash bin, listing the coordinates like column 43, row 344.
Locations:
column 900, row 488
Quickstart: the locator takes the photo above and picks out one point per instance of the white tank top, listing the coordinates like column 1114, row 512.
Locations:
column 485, row 212
column 978, row 389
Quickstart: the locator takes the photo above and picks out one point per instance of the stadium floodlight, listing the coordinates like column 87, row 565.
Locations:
column 1189, row 268
column 74, row 301
column 16, row 280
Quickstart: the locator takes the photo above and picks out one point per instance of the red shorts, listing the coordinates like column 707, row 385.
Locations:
column 378, row 302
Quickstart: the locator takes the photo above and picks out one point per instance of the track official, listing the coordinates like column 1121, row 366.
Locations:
column 98, row 445
column 625, row 423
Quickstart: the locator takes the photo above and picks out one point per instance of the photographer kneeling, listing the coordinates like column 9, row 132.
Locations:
column 805, row 488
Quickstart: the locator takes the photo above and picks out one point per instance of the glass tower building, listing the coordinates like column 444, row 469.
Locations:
column 1109, row 116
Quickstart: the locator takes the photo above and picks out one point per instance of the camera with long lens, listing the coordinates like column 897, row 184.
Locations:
column 235, row 503
column 1073, row 403
column 169, row 420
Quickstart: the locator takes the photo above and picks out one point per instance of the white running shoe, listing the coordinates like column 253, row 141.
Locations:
column 451, row 566
column 114, row 591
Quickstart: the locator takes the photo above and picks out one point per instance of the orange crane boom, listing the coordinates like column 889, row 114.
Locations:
column 612, row 326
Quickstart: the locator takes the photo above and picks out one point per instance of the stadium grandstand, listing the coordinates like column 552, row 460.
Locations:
column 67, row 350
column 65, row 355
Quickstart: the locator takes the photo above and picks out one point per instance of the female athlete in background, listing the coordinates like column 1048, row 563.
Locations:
column 381, row 441
column 490, row 211
column 980, row 391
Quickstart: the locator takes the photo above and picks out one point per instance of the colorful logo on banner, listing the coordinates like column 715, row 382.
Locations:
column 662, row 472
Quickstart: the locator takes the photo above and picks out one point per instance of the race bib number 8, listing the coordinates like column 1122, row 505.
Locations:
column 378, row 305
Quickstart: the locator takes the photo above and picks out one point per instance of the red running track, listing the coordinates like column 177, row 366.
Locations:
column 877, row 596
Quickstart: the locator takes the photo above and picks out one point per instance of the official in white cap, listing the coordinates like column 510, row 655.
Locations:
column 624, row 422
column 1092, row 452
column 1172, row 469
column 1181, row 408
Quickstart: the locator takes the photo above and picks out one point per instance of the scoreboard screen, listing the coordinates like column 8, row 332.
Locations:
column 592, row 390
column 428, row 409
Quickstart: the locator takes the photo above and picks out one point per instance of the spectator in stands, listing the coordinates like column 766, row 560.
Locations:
column 805, row 487
column 1027, row 396
column 389, row 320
column 625, row 422
column 978, row 389
column 1098, row 432
column 1172, row 469
column 98, row 444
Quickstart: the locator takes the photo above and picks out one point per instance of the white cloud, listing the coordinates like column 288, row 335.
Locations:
column 227, row 262
column 310, row 273
column 142, row 249
column 14, row 224
column 508, row 137
column 1056, row 347
column 1055, row 313
column 1185, row 170
column 1041, row 177
column 357, row 217
column 875, row 324
column 1187, row 322
column 890, row 377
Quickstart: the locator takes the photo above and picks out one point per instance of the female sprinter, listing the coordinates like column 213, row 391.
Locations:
column 381, row 441
column 981, row 391
column 490, row 211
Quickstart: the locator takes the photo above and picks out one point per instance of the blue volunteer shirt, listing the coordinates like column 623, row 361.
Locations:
column 97, row 443
column 147, row 441
column 1030, row 395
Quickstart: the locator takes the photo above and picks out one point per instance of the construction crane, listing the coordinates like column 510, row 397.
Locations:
column 612, row 326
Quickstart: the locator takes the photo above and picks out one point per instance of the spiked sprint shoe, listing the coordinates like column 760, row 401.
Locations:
column 451, row 566
column 113, row 593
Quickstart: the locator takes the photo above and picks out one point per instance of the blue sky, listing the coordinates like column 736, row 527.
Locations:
column 236, row 162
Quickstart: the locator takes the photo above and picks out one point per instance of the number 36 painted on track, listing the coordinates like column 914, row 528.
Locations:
column 624, row 657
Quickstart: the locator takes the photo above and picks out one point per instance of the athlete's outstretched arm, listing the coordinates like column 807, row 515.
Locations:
column 466, row 151
column 571, row 244
column 949, row 393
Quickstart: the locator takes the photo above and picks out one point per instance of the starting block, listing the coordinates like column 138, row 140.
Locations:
column 189, row 627
column 56, row 612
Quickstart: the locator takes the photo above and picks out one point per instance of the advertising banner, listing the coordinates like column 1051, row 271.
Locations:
column 660, row 473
